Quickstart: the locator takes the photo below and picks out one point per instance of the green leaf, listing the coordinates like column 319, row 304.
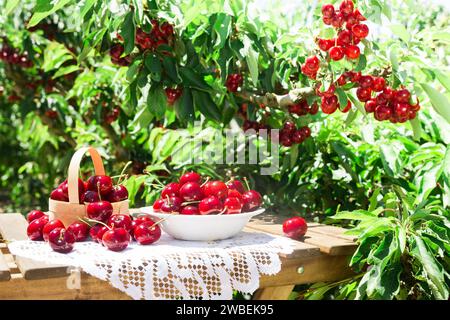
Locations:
column 401, row 32
column 432, row 269
column 417, row 129
column 10, row 6
column 390, row 159
column 184, row 107
column 362, row 63
column 157, row 101
column 443, row 78
column 128, row 32
column 153, row 65
column 65, row 70
column 342, row 97
column 251, row 56
column 222, row 27
column 170, row 68
column 44, row 8
column 55, row 55
column 356, row 215
column 133, row 69
column 206, row 105
column 192, row 79
column 86, row 7
column 438, row 100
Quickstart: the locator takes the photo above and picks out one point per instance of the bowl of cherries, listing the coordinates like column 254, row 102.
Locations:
column 198, row 209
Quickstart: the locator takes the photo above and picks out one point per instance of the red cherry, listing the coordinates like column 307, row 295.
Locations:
column 170, row 190
column 370, row 105
column 305, row 131
column 61, row 240
column 314, row 108
column 352, row 52
column 342, row 80
column 329, row 104
column 35, row 228
column 116, row 239
column 382, row 113
column 53, row 224
column 344, row 38
column 346, row 7
column 363, row 94
column 210, row 205
column 34, row 214
column 366, row 81
column 295, row 227
column 120, row 221
column 191, row 191
column 360, row 30
column 190, row 177
column 118, row 193
column 234, row 193
column 251, row 200
column 312, row 63
column 378, row 84
column 338, row 20
column 96, row 232
column 235, row 185
column 297, row 136
column 401, row 110
column 233, row 205
column 100, row 210
column 189, row 210
column 80, row 231
column 157, row 205
column 336, row 53
column 347, row 107
column 234, row 81
column 65, row 187
column 402, row 95
column 102, row 183
column 91, row 196
column 215, row 188
column 116, row 51
column 325, row 44
column 289, row 126
column 327, row 21
column 286, row 141
column 328, row 10
column 358, row 16
column 59, row 195
column 173, row 94
column 147, row 233
column 171, row 204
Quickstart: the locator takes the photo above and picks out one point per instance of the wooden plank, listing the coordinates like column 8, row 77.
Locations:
column 5, row 274
column 273, row 293
column 325, row 268
column 301, row 249
column 331, row 231
column 13, row 227
column 58, row 289
column 327, row 244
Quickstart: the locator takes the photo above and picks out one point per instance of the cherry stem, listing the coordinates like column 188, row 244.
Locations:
column 96, row 221
column 190, row 202
column 223, row 211
column 246, row 183
column 98, row 191
column 206, row 181
column 123, row 171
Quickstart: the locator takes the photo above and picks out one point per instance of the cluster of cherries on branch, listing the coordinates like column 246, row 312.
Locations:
column 191, row 196
column 381, row 100
column 160, row 34
column 13, row 56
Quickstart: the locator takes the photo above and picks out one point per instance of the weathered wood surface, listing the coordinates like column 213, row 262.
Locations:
column 322, row 256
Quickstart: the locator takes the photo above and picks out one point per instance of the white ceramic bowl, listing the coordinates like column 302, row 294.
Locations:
column 202, row 227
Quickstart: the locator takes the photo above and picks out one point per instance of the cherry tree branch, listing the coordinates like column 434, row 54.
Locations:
column 275, row 100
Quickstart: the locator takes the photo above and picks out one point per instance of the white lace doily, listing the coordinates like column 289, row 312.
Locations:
column 173, row 269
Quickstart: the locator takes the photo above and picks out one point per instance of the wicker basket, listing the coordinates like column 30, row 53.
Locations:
column 69, row 212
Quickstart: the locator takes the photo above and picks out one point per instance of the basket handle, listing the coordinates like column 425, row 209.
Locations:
column 74, row 170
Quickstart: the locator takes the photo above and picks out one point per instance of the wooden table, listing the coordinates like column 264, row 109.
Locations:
column 322, row 256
